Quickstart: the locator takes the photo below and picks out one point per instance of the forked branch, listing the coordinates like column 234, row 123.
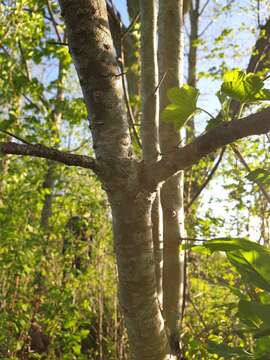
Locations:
column 224, row 134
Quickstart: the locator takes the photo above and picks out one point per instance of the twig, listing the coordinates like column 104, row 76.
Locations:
column 160, row 82
column 131, row 25
column 204, row 7
column 206, row 112
column 206, row 28
column 191, row 239
column 184, row 286
column 197, row 312
column 53, row 21
column 258, row 14
column 58, row 43
column 36, row 106
column 28, row 74
column 15, row 137
column 208, row 179
column 246, row 166
column 126, row 96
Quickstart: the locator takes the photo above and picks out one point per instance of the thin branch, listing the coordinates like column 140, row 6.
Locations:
column 160, row 82
column 208, row 179
column 206, row 112
column 41, row 151
column 185, row 284
column 204, row 7
column 28, row 73
column 15, row 137
column 126, row 96
column 31, row 12
column 197, row 312
column 53, row 21
column 206, row 28
column 30, row 101
column 130, row 27
column 222, row 135
column 181, row 239
column 246, row 166
column 60, row 43
column 259, row 14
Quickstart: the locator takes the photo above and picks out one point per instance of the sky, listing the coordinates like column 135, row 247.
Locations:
column 121, row 5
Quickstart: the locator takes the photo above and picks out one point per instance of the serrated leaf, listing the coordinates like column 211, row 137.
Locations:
column 182, row 107
column 244, row 87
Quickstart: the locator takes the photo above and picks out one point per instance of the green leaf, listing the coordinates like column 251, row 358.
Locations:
column 247, row 270
column 84, row 333
column 250, row 259
column 244, row 87
column 256, row 312
column 259, row 260
column 5, row 124
column 231, row 244
column 69, row 324
column 182, row 107
column 77, row 349
column 226, row 351
column 260, row 175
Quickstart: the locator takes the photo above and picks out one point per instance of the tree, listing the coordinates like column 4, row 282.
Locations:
column 132, row 184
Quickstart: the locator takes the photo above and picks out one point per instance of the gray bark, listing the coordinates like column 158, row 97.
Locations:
column 95, row 59
column 150, row 113
column 170, row 63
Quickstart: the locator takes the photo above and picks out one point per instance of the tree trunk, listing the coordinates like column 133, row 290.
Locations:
column 170, row 66
column 96, row 63
column 137, row 282
column 150, row 121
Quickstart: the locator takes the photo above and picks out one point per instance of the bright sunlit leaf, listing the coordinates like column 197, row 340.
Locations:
column 182, row 107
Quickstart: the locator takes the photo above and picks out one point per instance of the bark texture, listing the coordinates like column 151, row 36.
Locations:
column 92, row 49
column 223, row 134
column 170, row 66
column 150, row 117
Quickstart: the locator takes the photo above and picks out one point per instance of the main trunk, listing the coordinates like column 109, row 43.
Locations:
column 91, row 46
column 132, row 228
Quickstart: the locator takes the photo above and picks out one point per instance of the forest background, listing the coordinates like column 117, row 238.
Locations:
column 58, row 281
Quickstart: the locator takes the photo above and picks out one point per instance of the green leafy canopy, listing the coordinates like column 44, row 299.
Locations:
column 183, row 105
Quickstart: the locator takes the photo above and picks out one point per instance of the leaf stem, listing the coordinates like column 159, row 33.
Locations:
column 205, row 111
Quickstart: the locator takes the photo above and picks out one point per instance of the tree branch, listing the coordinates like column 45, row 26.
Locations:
column 224, row 134
column 45, row 152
